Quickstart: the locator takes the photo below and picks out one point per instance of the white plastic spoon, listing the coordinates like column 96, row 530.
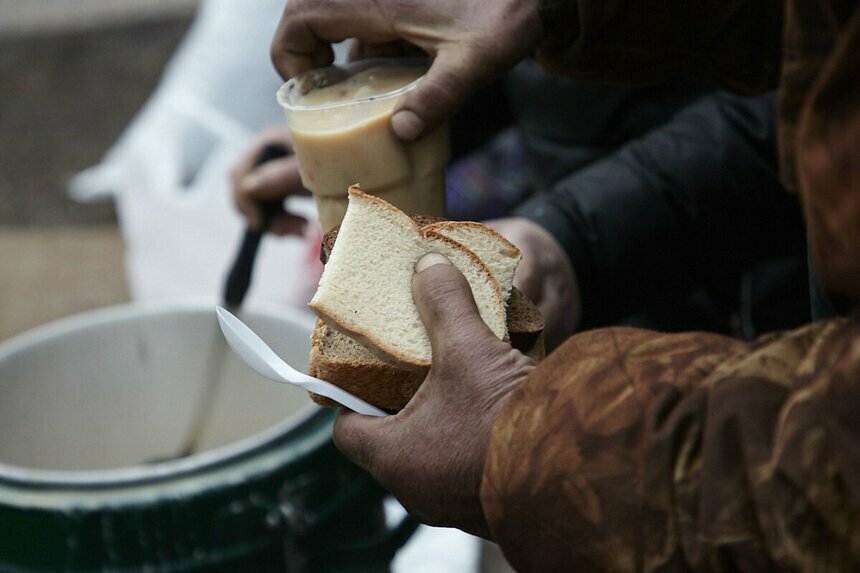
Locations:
column 256, row 354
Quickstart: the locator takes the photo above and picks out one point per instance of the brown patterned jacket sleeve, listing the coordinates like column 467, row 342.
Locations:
column 628, row 450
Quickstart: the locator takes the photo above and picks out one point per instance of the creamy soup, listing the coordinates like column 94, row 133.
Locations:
column 342, row 136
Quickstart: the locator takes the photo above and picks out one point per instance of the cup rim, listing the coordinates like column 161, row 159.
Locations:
column 352, row 67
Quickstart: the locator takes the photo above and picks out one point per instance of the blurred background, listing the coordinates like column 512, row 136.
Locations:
column 140, row 97
column 73, row 73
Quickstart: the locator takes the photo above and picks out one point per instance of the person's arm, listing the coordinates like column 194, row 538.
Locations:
column 629, row 450
column 691, row 203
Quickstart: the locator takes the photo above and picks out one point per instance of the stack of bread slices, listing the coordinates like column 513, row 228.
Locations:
column 369, row 338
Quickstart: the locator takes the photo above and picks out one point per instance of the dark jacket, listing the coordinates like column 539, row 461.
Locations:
column 691, row 203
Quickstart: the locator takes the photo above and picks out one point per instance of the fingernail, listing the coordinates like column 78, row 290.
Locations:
column 429, row 260
column 407, row 125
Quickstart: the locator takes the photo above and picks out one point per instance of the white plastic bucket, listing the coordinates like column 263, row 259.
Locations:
column 117, row 387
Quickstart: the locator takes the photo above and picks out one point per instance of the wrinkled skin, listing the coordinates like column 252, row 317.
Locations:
column 471, row 43
column 431, row 455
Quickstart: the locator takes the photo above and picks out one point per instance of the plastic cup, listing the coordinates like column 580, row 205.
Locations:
column 343, row 136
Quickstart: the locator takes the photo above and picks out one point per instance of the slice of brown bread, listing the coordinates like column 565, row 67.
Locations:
column 341, row 360
column 525, row 325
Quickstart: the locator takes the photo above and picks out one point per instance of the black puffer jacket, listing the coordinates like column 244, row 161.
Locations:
column 695, row 202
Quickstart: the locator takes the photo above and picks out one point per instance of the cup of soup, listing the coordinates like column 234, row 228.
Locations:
column 340, row 121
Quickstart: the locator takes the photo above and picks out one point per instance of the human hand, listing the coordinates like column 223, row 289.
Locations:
column 275, row 180
column 472, row 43
column 545, row 275
column 430, row 456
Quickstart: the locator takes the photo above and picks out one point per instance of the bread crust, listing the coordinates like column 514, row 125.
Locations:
column 391, row 387
column 514, row 252
column 498, row 295
column 384, row 385
column 330, row 237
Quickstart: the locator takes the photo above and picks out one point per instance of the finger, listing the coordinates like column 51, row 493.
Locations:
column 440, row 93
column 296, row 48
column 273, row 180
column 243, row 200
column 247, row 206
column 250, row 210
column 308, row 28
column 246, row 164
column 286, row 223
column 445, row 304
column 396, row 49
column 362, row 439
column 249, row 160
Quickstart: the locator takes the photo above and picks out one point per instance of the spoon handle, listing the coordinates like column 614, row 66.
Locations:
column 255, row 353
column 339, row 395
column 239, row 277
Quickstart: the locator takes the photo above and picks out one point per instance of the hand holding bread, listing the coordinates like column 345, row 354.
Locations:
column 431, row 455
column 364, row 290
column 370, row 339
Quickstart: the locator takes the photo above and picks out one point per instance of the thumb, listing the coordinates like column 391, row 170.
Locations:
column 440, row 93
column 362, row 439
column 446, row 304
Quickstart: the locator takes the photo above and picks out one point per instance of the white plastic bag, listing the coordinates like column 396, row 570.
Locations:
column 169, row 170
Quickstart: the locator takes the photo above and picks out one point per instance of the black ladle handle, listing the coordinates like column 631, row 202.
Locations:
column 239, row 277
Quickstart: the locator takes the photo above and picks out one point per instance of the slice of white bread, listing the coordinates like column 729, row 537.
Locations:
column 365, row 289
column 343, row 361
column 499, row 254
